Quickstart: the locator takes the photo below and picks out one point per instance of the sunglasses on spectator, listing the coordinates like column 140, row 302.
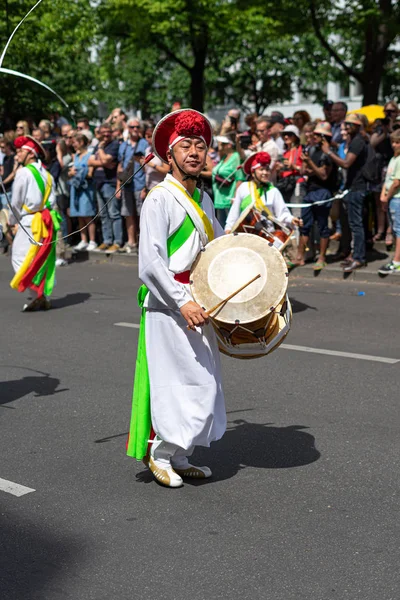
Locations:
column 134, row 126
column 80, row 128
column 261, row 130
column 19, row 127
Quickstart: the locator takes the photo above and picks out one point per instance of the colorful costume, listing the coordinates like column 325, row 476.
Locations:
column 177, row 387
column 265, row 197
column 32, row 201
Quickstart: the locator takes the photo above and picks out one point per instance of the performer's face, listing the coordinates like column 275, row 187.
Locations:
column 190, row 154
column 23, row 155
column 262, row 174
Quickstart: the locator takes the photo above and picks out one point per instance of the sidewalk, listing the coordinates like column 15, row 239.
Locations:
column 376, row 258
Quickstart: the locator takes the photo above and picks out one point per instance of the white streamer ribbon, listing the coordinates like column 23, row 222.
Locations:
column 307, row 204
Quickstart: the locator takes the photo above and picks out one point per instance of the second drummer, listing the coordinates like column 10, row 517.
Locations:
column 260, row 191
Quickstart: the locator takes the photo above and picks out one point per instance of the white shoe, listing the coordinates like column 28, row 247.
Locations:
column 165, row 474
column 81, row 246
column 194, row 472
column 91, row 246
column 60, row 262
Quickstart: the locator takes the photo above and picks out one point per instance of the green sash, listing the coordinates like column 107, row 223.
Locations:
column 140, row 426
column 249, row 199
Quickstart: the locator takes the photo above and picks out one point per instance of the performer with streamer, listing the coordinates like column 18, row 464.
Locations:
column 177, row 398
column 32, row 202
column 260, row 191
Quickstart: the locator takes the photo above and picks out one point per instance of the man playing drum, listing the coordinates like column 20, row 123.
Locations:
column 260, row 191
column 177, row 390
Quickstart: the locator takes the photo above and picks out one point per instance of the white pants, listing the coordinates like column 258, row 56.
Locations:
column 187, row 401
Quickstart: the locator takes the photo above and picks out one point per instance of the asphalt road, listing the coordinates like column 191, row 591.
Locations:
column 304, row 502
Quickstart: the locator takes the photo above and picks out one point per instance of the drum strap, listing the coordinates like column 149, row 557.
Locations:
column 258, row 203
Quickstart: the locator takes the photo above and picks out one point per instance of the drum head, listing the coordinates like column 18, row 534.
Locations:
column 229, row 262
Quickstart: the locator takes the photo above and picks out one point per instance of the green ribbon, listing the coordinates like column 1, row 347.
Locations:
column 140, row 427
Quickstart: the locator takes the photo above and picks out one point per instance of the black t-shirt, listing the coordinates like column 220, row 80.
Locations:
column 104, row 175
column 355, row 179
column 321, row 159
column 8, row 165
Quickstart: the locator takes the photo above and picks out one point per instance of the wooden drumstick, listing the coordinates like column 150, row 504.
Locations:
column 214, row 308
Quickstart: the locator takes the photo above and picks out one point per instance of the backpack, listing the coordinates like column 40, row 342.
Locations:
column 371, row 170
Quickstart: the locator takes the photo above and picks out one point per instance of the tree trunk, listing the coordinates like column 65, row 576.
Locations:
column 376, row 45
column 197, row 81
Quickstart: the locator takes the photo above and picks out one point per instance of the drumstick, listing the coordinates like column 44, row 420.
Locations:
column 214, row 308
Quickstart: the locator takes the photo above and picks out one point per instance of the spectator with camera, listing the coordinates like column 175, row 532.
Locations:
column 289, row 168
column 277, row 125
column 231, row 123
column 320, row 184
column 130, row 154
column 390, row 198
column 356, row 164
column 105, row 162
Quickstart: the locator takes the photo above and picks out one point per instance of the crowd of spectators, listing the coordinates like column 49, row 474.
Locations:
column 311, row 163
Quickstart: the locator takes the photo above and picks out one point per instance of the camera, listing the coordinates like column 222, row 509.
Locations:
column 245, row 141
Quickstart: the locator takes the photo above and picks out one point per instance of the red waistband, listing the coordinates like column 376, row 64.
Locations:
column 183, row 277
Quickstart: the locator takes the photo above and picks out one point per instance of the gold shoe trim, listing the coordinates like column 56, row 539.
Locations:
column 161, row 475
column 194, row 472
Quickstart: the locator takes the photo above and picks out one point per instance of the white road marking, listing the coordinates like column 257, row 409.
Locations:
column 133, row 325
column 381, row 359
column 14, row 488
column 390, row 361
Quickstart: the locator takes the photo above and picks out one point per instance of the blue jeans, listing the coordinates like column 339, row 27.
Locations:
column 355, row 210
column 111, row 220
column 222, row 215
column 394, row 215
column 3, row 200
column 317, row 212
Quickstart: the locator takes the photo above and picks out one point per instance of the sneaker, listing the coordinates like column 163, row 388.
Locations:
column 129, row 248
column 103, row 247
column 91, row 246
column 81, row 246
column 113, row 248
column 60, row 262
column 389, row 269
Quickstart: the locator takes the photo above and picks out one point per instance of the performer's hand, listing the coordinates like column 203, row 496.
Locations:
column 193, row 314
column 227, row 231
column 298, row 222
column 118, row 194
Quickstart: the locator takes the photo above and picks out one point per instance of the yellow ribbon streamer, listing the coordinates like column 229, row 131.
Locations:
column 39, row 231
column 205, row 220
column 258, row 203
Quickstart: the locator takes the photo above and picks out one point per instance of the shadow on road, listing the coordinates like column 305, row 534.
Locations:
column 70, row 300
column 298, row 306
column 35, row 562
column 261, row 446
column 40, row 385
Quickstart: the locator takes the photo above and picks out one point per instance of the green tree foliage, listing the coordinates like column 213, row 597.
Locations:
column 53, row 45
column 358, row 35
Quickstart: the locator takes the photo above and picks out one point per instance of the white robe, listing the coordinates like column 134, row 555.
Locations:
column 26, row 191
column 187, row 402
column 272, row 199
